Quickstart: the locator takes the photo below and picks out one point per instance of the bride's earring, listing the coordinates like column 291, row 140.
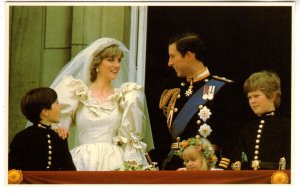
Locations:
column 97, row 70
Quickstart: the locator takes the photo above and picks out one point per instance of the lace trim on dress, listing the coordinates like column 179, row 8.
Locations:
column 83, row 94
column 125, row 87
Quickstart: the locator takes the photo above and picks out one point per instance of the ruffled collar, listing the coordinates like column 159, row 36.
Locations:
column 125, row 87
column 83, row 93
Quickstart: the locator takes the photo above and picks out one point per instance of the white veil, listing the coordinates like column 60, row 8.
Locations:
column 79, row 68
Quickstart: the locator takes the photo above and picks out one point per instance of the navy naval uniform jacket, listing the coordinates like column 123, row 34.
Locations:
column 39, row 148
column 266, row 139
column 225, row 108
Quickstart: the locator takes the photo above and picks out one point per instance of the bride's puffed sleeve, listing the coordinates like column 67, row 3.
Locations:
column 132, row 132
column 69, row 91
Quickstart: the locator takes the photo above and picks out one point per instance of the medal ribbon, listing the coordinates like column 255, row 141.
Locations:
column 192, row 106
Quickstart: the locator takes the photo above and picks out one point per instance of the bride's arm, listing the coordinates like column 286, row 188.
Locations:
column 132, row 132
column 68, row 94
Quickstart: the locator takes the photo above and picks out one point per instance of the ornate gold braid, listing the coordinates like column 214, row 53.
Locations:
column 169, row 97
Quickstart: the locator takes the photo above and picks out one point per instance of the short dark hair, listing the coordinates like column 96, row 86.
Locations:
column 190, row 42
column 35, row 100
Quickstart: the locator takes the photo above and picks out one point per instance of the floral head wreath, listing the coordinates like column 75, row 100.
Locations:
column 202, row 145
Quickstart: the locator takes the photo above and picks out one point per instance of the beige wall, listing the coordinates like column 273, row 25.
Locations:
column 44, row 38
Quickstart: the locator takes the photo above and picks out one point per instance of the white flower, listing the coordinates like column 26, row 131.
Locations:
column 204, row 130
column 204, row 113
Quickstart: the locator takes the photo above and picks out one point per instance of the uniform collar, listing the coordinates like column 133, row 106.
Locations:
column 43, row 126
column 201, row 75
column 268, row 114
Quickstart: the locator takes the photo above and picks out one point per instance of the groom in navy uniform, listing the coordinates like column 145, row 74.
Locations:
column 202, row 104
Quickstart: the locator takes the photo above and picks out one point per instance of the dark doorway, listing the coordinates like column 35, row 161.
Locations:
column 240, row 40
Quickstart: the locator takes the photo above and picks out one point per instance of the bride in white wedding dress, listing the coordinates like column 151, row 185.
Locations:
column 111, row 122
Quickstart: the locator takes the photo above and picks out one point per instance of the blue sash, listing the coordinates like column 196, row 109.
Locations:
column 191, row 107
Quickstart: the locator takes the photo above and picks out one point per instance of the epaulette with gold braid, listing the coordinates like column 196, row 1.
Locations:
column 223, row 79
column 224, row 163
column 169, row 97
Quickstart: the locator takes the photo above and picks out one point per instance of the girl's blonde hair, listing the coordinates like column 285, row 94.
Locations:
column 203, row 146
column 190, row 151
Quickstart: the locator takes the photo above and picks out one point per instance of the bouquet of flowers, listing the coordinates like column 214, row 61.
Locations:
column 134, row 166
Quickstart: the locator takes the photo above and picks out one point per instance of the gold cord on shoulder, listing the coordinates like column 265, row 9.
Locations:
column 169, row 97
column 167, row 103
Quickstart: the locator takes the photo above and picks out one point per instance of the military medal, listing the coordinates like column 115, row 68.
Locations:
column 189, row 92
column 211, row 92
column 208, row 92
column 205, row 92
column 204, row 115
